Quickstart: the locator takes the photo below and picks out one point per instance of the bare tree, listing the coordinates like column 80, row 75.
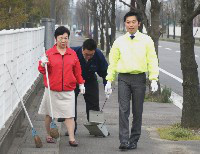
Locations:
column 191, row 94
column 62, row 9
column 82, row 13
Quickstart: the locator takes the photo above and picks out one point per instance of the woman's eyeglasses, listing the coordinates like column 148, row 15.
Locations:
column 61, row 39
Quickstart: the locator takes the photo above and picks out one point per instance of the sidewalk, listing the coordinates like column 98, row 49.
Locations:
column 155, row 115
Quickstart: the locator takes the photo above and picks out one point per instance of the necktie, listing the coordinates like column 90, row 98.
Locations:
column 132, row 36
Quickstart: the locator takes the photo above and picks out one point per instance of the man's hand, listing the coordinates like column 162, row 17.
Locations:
column 44, row 60
column 108, row 88
column 82, row 88
column 154, row 86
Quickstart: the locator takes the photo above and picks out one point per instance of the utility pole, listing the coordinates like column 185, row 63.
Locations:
column 49, row 24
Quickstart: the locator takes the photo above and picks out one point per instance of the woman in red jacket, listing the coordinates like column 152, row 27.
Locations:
column 64, row 73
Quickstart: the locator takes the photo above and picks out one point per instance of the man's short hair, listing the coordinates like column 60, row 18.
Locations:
column 133, row 13
column 61, row 30
column 89, row 44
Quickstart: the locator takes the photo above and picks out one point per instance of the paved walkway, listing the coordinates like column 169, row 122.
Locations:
column 155, row 115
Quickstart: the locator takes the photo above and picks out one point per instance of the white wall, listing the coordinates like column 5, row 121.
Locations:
column 20, row 50
column 196, row 31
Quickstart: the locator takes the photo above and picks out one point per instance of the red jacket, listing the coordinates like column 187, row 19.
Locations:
column 64, row 70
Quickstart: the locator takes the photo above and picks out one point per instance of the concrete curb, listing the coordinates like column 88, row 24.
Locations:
column 177, row 100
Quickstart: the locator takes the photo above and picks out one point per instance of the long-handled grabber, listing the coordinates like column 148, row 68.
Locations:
column 38, row 142
column 53, row 127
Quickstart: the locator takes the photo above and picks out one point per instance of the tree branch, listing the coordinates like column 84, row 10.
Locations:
column 127, row 4
column 195, row 13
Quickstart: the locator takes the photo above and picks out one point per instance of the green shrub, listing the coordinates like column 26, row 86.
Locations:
column 165, row 95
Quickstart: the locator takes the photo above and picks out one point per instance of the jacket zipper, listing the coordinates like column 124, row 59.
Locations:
column 62, row 73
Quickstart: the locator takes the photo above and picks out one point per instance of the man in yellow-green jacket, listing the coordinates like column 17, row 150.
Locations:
column 132, row 55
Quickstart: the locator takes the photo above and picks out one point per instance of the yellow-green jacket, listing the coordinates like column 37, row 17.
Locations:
column 133, row 56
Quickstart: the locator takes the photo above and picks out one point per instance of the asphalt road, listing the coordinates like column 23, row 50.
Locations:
column 169, row 60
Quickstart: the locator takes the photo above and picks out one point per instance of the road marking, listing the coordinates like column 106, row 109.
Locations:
column 168, row 49
column 177, row 51
column 177, row 100
column 171, row 75
column 160, row 46
column 196, row 56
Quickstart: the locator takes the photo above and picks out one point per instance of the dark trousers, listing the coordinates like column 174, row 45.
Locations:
column 91, row 97
column 130, row 85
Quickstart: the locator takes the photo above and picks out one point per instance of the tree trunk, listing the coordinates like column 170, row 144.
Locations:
column 155, row 30
column 132, row 5
column 113, row 23
column 155, row 21
column 95, row 30
column 191, row 97
column 168, row 25
column 144, row 4
column 102, row 39
column 102, row 20
column 106, row 29
column 87, row 22
column 174, row 29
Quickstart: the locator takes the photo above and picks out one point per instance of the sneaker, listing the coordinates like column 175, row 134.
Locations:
column 124, row 146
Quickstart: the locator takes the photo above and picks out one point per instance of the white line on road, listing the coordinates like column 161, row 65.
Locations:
column 177, row 100
column 160, row 46
column 171, row 75
column 168, row 49
column 177, row 51
column 196, row 56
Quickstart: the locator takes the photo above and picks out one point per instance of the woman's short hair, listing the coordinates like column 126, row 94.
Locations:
column 61, row 30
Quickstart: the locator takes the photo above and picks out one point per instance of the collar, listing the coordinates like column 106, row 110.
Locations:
column 137, row 34
column 55, row 51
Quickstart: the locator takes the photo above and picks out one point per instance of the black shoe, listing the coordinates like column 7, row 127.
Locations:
column 73, row 143
column 124, row 146
column 132, row 146
column 61, row 119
